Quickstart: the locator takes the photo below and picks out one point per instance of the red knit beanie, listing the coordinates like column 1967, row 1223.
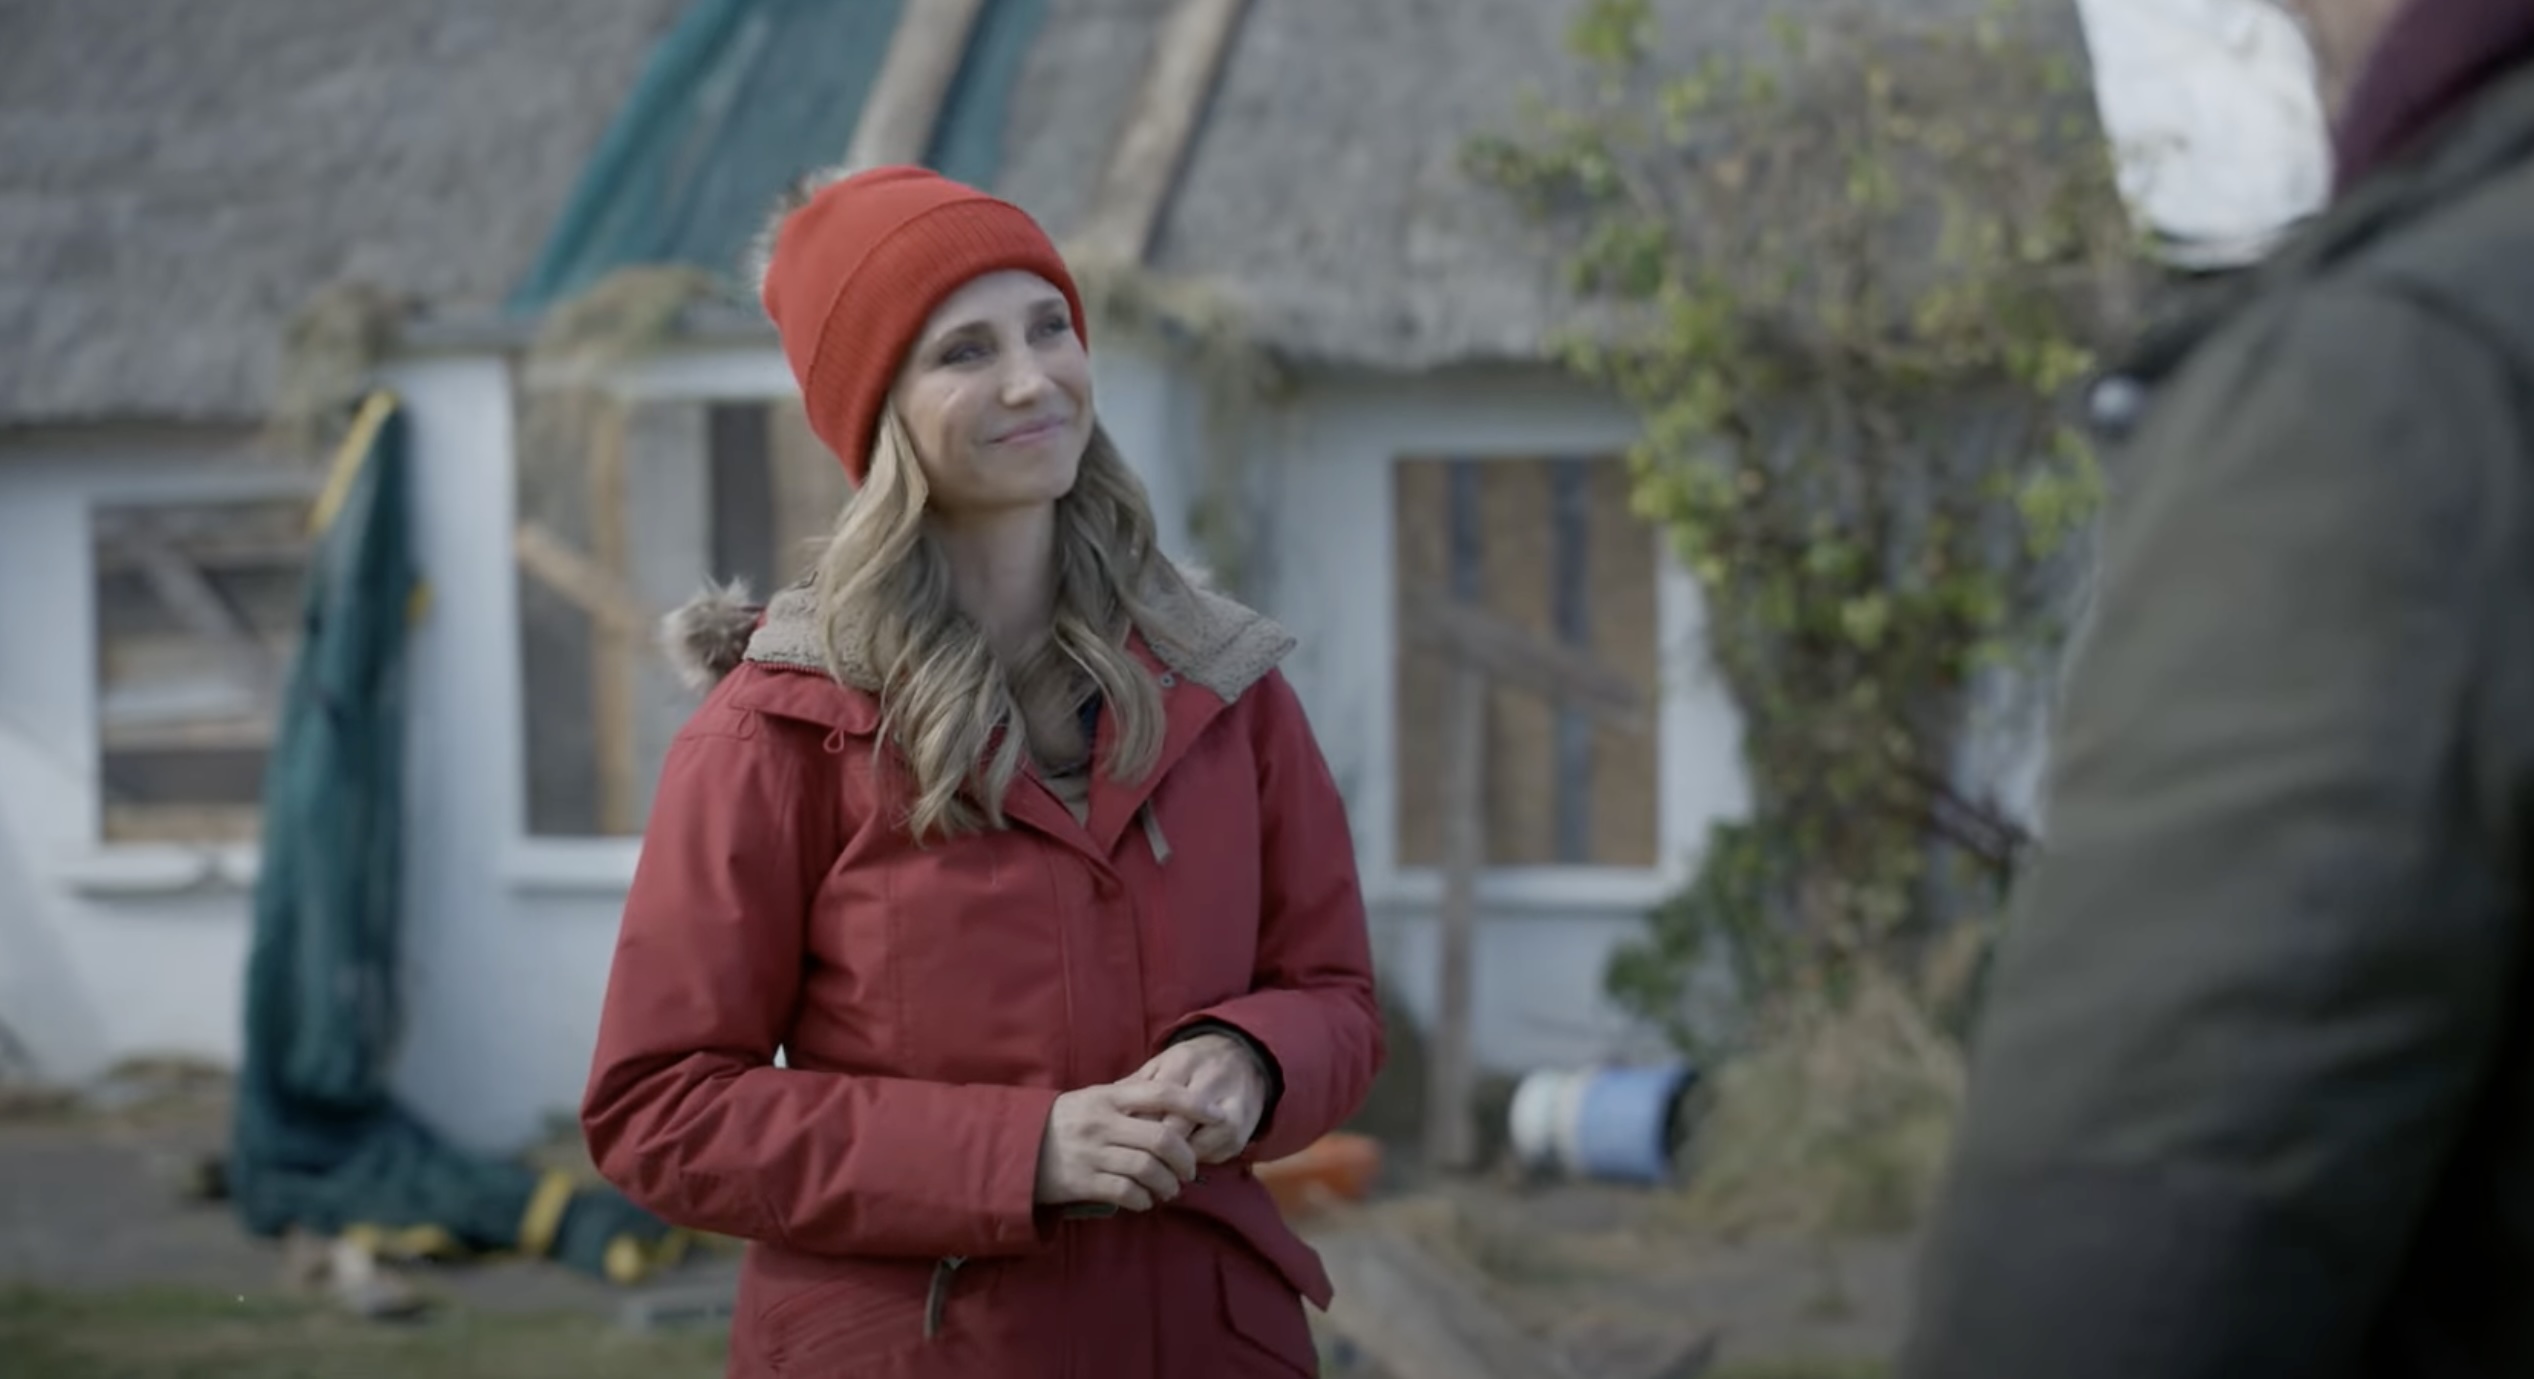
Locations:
column 856, row 272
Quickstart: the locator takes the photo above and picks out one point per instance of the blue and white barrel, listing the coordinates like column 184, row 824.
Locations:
column 1614, row 1124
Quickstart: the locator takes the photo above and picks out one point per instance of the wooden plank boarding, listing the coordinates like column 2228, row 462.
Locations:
column 199, row 607
column 1518, row 657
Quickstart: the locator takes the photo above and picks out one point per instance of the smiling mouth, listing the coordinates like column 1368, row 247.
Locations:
column 1037, row 430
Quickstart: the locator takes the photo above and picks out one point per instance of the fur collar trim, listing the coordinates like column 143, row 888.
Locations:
column 1201, row 635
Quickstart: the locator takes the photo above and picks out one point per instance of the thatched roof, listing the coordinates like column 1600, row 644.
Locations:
column 176, row 176
column 1326, row 195
column 1325, row 192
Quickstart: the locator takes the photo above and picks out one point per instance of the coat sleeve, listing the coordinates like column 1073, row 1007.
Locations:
column 685, row 1110
column 1310, row 1006
column 2252, row 986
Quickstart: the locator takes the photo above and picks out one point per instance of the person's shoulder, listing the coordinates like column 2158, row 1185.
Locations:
column 1207, row 636
column 760, row 697
column 2466, row 262
column 1275, row 711
column 2331, row 361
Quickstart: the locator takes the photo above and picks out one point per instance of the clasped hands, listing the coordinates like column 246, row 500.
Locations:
column 1136, row 1142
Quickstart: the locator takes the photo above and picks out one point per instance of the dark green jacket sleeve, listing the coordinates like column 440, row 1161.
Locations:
column 2252, row 986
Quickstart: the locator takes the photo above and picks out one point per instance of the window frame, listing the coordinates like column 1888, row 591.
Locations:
column 107, row 868
column 601, row 866
column 1695, row 782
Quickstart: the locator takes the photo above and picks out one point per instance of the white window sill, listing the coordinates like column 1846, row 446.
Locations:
column 1580, row 891
column 601, row 867
column 139, row 870
column 604, row 867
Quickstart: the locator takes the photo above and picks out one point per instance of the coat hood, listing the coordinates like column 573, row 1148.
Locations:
column 1201, row 635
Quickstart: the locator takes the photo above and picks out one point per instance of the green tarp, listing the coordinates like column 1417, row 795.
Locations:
column 319, row 1142
column 736, row 100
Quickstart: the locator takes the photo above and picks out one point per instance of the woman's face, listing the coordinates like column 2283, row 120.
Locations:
column 996, row 395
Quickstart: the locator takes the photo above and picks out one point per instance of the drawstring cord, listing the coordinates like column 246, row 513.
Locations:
column 938, row 1300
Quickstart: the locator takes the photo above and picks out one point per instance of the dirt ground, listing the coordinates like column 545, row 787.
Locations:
column 107, row 1268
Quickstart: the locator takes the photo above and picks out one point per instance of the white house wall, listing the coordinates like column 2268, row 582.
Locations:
column 1147, row 404
column 506, row 942
column 111, row 952
column 106, row 952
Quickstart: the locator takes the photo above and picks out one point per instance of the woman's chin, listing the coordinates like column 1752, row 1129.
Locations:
column 1025, row 486
column 1045, row 465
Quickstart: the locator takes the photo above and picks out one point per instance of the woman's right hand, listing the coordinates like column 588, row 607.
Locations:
column 1109, row 1144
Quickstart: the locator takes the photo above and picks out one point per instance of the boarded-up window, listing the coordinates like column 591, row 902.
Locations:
column 626, row 510
column 197, row 621
column 1548, row 546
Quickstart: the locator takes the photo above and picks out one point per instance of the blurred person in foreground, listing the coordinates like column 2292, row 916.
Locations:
column 1014, row 842
column 2253, row 1093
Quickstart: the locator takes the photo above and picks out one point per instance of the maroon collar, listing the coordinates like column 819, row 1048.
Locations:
column 2433, row 57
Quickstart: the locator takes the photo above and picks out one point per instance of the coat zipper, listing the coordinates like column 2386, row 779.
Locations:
column 938, row 1299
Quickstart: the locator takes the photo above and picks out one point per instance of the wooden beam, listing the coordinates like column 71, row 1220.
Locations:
column 925, row 50
column 1152, row 144
column 189, row 594
column 566, row 571
column 221, row 553
column 1451, row 1126
column 208, row 734
column 612, row 641
column 190, row 824
column 1515, row 656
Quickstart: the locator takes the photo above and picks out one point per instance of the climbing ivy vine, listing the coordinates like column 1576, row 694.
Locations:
column 1850, row 282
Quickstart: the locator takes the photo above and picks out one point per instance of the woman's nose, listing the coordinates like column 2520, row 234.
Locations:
column 1023, row 378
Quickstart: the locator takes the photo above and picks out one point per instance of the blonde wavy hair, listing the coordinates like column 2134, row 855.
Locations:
column 949, row 706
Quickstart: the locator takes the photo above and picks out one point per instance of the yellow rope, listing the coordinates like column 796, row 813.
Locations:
column 628, row 1261
column 404, row 1242
column 544, row 1217
column 357, row 441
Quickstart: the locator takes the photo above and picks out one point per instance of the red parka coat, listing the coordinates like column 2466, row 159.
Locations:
column 931, row 1001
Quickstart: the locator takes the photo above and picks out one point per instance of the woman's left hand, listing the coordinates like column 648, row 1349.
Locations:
column 1223, row 1073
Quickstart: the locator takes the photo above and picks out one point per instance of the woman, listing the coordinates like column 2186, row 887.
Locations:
column 1014, row 844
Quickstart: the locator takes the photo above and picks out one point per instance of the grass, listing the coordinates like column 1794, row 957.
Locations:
column 159, row 1333
column 1837, row 1123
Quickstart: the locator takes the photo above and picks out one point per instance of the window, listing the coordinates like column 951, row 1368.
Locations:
column 197, row 609
column 1538, row 569
column 626, row 509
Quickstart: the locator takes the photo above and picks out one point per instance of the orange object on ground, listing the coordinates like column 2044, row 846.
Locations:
column 1336, row 1165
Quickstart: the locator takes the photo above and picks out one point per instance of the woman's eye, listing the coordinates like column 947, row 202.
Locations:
column 963, row 354
column 1050, row 328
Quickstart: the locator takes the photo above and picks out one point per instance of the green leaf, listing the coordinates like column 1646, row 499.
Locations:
column 1684, row 100
column 1789, row 33
column 1612, row 33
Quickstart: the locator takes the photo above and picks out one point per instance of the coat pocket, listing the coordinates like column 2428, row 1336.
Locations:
column 845, row 1316
column 1264, row 1317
